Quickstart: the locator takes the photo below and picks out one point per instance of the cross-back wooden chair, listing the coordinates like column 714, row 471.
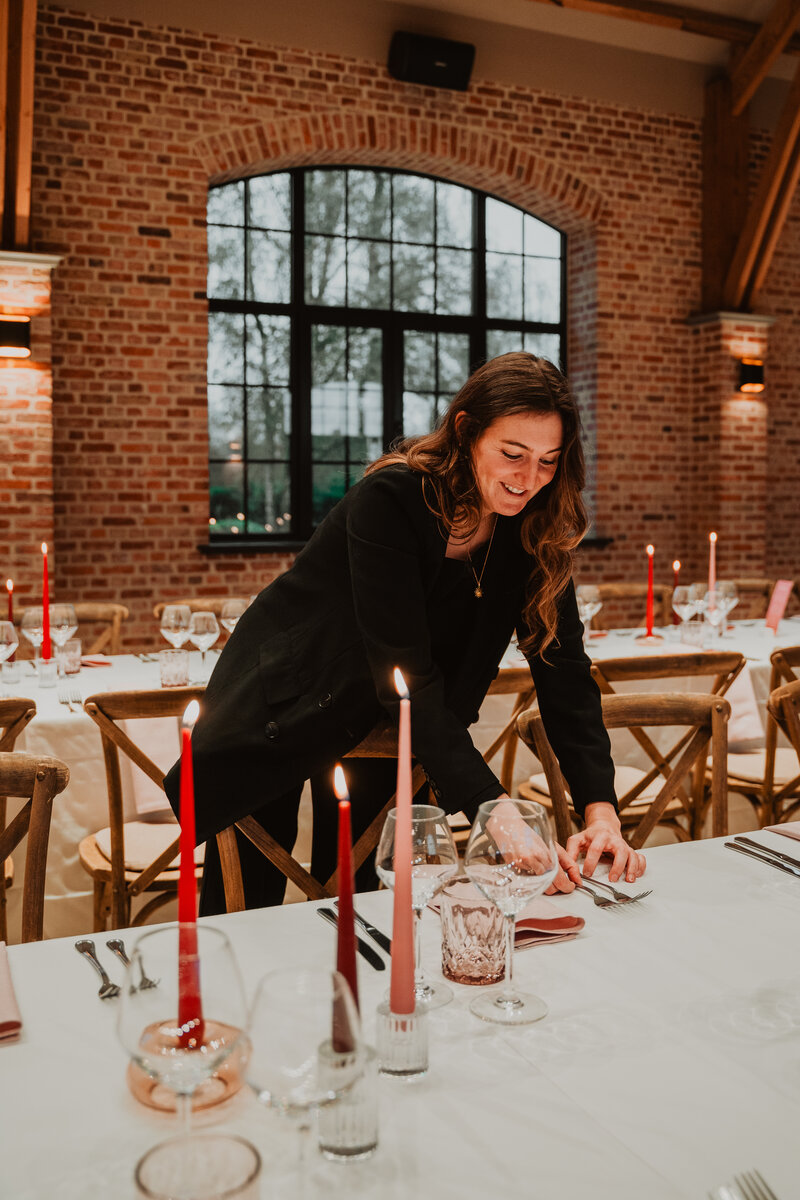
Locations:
column 768, row 776
column 510, row 681
column 754, row 595
column 380, row 743
column 619, row 612
column 36, row 780
column 117, row 879
column 650, row 800
column 783, row 707
column 110, row 616
column 15, row 713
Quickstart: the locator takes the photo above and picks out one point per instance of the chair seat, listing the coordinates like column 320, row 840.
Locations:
column 8, row 871
column 144, row 841
column 749, row 768
column 97, row 864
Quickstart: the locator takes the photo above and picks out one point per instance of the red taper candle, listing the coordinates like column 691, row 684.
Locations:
column 46, row 648
column 401, row 992
column 346, row 940
column 190, row 1010
column 649, row 622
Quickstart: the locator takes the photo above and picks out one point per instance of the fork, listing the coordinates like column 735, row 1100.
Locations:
column 600, row 901
column 754, row 1186
column 65, row 698
column 118, row 947
column 108, row 990
column 74, row 696
column 620, row 897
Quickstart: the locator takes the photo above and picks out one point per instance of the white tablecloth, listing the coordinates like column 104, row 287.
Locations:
column 670, row 1058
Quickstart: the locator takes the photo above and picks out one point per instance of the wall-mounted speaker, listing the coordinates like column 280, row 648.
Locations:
column 430, row 61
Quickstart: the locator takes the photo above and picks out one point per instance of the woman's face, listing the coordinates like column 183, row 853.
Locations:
column 514, row 458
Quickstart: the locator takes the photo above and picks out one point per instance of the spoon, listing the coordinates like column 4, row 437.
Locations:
column 108, row 990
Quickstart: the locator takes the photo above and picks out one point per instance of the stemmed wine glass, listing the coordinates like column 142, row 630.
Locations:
column 697, row 598
column 8, row 640
column 683, row 603
column 32, row 627
column 231, row 611
column 203, row 632
column 511, row 858
column 301, row 1020
column 714, row 612
column 589, row 603
column 63, row 623
column 727, row 599
column 434, row 860
column 175, row 623
column 181, row 1057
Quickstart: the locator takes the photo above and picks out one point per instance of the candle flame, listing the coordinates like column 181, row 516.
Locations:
column 190, row 714
column 44, row 547
column 712, row 537
column 340, row 783
column 400, row 684
column 651, row 550
column 9, row 585
column 676, row 566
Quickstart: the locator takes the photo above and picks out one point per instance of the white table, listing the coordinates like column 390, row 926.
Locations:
column 669, row 1061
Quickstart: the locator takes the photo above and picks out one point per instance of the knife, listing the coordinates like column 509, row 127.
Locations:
column 771, row 862
column 376, row 934
column 373, row 958
column 787, row 858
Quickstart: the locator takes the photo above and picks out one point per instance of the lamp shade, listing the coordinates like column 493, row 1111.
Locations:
column 751, row 375
column 15, row 337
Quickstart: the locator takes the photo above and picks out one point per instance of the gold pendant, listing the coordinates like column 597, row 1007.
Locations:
column 478, row 592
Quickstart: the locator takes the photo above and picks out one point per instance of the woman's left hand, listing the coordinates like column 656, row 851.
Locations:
column 602, row 835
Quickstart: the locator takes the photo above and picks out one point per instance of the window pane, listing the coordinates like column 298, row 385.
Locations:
column 544, row 345
column 269, row 268
column 346, row 395
column 503, row 227
column 453, row 215
column 269, row 501
column 226, row 495
column 419, row 413
column 269, row 422
column 225, row 422
column 413, row 208
column 365, row 395
column 368, row 274
column 541, row 239
column 328, row 354
column 225, row 263
column 419, row 351
column 226, row 204
column 413, row 278
column 502, row 341
column 453, row 361
column 454, row 282
column 325, row 208
column 328, row 391
column 542, row 289
column 369, row 198
column 325, row 270
column 328, row 486
column 225, row 338
column 504, row 286
column 270, row 202
column 365, row 355
column 267, row 349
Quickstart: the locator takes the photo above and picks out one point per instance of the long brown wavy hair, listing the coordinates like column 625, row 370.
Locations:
column 554, row 520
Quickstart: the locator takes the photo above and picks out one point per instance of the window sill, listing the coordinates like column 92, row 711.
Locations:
column 250, row 547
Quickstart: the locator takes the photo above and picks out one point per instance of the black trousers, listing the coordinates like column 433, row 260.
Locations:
column 371, row 781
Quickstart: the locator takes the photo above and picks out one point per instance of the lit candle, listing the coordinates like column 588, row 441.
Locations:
column 346, row 941
column 10, row 590
column 45, row 605
column 190, row 1011
column 676, row 574
column 712, row 562
column 401, row 993
column 649, row 621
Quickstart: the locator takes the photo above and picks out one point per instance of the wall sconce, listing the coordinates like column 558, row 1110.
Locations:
column 751, row 375
column 15, row 336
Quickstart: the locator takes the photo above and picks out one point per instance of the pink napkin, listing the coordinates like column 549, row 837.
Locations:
column 790, row 829
column 10, row 1020
column 95, row 660
column 539, row 922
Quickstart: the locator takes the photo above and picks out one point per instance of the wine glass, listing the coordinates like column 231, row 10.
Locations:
column 203, row 632
column 714, row 612
column 683, row 603
column 434, row 860
column 511, row 858
column 175, row 1046
column 32, row 627
column 231, row 611
column 8, row 640
column 175, row 623
column 727, row 598
column 589, row 603
column 63, row 623
column 697, row 597
column 303, row 1020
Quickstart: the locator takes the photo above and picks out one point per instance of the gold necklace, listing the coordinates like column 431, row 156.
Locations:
column 478, row 578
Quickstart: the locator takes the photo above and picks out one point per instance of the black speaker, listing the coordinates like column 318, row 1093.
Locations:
column 433, row 62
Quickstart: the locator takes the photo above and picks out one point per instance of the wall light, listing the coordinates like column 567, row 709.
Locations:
column 15, row 337
column 751, row 375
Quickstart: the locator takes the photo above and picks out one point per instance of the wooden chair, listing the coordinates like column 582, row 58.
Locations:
column 37, row 780
column 754, row 595
column 650, row 802
column 110, row 616
column 380, row 743
column 117, row 880
column 14, row 716
column 619, row 611
column 510, row 681
column 783, row 707
column 768, row 777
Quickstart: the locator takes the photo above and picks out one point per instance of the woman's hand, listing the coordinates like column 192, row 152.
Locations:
column 602, row 835
column 519, row 844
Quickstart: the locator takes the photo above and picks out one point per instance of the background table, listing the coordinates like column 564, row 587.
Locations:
column 670, row 1058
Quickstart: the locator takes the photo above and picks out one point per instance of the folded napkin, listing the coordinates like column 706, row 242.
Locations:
column 790, row 829
column 745, row 724
column 10, row 1020
column 95, row 660
column 539, row 922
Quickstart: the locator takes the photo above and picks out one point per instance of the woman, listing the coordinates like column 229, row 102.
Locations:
column 431, row 562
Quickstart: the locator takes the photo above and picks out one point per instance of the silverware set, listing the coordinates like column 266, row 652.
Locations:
column 750, row 1185
column 70, row 695
column 761, row 853
column 608, row 897
column 109, row 990
column 364, row 948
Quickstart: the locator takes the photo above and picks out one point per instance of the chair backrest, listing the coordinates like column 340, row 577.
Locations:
column 15, row 713
column 783, row 708
column 754, row 594
column 106, row 709
column 197, row 604
column 36, row 780
column 721, row 666
column 110, row 617
column 381, row 742
column 704, row 720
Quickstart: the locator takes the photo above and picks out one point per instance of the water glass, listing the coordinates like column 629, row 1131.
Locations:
column 32, row 627
column 231, row 611
column 473, row 935
column 175, row 623
column 174, row 666
column 589, row 603
column 203, row 632
column 8, row 640
column 63, row 623
column 68, row 657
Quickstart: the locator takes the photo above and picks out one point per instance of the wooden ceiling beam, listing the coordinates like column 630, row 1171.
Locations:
column 3, row 95
column 780, row 212
column 753, row 66
column 725, row 191
column 21, row 46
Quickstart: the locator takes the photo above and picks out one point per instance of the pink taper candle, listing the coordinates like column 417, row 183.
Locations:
column 401, row 993
column 712, row 562
column 46, row 648
column 676, row 574
column 190, row 1010
column 10, row 590
column 650, row 553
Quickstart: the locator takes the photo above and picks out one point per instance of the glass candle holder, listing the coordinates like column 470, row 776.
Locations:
column 402, row 1042
column 47, row 672
column 174, row 666
column 348, row 1127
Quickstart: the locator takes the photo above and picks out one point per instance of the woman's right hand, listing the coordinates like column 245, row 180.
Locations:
column 519, row 844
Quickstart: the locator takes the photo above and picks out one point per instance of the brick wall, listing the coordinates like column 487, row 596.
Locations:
column 131, row 125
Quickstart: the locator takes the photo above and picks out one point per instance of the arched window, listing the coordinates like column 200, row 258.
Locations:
column 346, row 307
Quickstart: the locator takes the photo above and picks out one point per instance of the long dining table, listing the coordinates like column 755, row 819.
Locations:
column 669, row 1059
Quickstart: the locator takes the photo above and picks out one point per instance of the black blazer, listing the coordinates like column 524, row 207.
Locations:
column 308, row 670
